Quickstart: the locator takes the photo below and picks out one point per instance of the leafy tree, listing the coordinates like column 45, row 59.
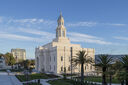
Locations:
column 1, row 54
column 33, row 63
column 116, row 66
column 104, row 61
column 27, row 64
column 10, row 60
column 82, row 58
column 121, row 76
column 114, row 69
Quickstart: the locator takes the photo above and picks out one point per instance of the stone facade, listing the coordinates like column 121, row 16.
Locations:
column 56, row 55
column 19, row 54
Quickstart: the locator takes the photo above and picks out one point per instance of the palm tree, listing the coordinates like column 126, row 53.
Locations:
column 82, row 58
column 104, row 61
column 124, row 61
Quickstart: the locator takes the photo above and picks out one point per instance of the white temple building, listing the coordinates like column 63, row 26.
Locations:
column 56, row 55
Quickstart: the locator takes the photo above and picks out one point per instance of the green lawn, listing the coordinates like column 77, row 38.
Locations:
column 61, row 82
column 99, row 79
column 16, row 70
column 35, row 76
column 2, row 70
column 32, row 84
column 67, row 82
column 69, row 75
column 71, row 82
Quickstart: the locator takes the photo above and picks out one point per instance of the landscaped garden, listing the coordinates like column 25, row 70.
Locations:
column 69, row 82
column 111, row 72
column 99, row 79
column 35, row 76
column 61, row 82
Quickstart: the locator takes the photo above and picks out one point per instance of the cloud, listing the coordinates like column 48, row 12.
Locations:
column 24, row 25
column 74, row 37
column 121, row 38
column 83, row 24
column 32, row 20
column 36, row 32
column 92, row 24
column 27, row 22
column 47, row 36
column 1, row 19
column 115, row 24
column 18, row 37
column 75, row 34
column 79, row 37
column 10, row 36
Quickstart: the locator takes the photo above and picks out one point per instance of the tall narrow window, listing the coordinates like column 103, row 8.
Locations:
column 91, row 67
column 69, row 68
column 85, row 67
column 50, row 58
column 63, row 33
column 50, row 67
column 61, row 58
column 54, row 58
column 61, row 68
column 54, row 67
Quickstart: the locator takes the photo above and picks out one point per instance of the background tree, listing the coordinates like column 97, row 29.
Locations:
column 104, row 61
column 10, row 60
column 114, row 69
column 82, row 58
column 124, row 61
column 1, row 54
column 33, row 63
column 27, row 64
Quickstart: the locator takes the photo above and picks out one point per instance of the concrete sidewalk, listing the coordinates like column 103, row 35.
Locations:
column 14, row 80
column 6, row 79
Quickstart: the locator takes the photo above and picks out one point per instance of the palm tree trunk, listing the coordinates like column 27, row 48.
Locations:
column 126, row 81
column 104, row 76
column 110, row 79
column 82, row 73
column 122, row 82
column 126, row 78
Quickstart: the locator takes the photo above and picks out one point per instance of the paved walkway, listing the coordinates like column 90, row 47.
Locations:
column 6, row 79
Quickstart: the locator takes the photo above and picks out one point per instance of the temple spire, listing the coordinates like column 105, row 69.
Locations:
column 61, row 30
column 60, row 20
